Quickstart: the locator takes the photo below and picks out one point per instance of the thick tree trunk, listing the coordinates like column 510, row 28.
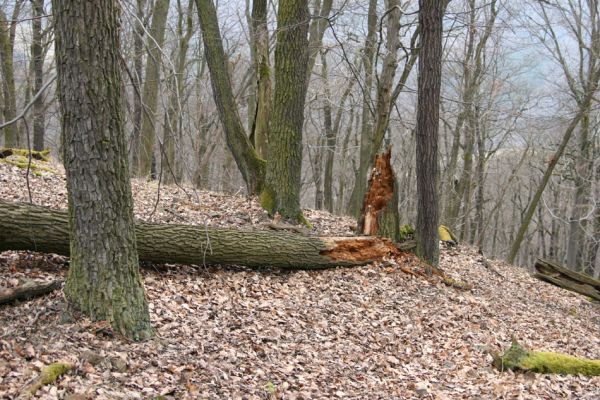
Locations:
column 565, row 278
column 103, row 280
column 281, row 193
column 28, row 227
column 28, row 290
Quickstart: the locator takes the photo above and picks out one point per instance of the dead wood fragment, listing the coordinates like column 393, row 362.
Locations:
column 28, row 290
column 379, row 215
column 560, row 276
column 48, row 375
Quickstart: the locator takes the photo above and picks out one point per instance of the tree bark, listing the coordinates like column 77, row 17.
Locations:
column 248, row 162
column 103, row 279
column 28, row 290
column 150, row 97
column 429, row 83
column 37, row 54
column 29, row 227
column 565, row 278
column 281, row 193
column 7, row 45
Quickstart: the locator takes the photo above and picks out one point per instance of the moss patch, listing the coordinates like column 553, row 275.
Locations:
column 49, row 375
column 518, row 358
column 20, row 158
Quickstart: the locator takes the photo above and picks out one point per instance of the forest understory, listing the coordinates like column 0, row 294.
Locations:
column 231, row 332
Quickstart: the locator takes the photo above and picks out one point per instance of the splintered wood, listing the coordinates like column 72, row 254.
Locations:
column 379, row 194
column 360, row 249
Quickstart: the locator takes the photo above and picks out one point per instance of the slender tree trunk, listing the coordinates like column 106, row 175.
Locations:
column 516, row 245
column 103, row 280
column 138, row 66
column 262, row 70
column 366, row 139
column 151, row 85
column 576, row 239
column 37, row 55
column 173, row 116
column 429, row 83
column 12, row 135
column 248, row 162
column 281, row 193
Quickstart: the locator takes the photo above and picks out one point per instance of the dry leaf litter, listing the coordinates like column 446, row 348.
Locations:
column 372, row 332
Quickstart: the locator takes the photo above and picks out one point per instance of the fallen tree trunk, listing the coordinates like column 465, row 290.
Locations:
column 28, row 227
column 518, row 358
column 28, row 290
column 565, row 278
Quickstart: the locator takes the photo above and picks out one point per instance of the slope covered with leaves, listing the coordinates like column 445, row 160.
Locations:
column 230, row 332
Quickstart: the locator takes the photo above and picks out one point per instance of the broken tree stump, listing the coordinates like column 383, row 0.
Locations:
column 28, row 227
column 518, row 358
column 560, row 276
column 379, row 214
column 28, row 290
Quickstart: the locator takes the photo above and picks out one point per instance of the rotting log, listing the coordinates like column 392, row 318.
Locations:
column 518, row 358
column 28, row 290
column 555, row 274
column 28, row 227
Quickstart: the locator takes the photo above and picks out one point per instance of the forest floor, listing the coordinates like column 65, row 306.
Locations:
column 371, row 332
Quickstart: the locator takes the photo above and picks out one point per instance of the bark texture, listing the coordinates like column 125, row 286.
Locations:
column 248, row 162
column 28, row 227
column 103, row 279
column 151, row 86
column 430, row 24
column 37, row 55
column 281, row 193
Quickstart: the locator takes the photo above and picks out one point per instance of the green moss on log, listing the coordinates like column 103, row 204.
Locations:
column 49, row 375
column 518, row 358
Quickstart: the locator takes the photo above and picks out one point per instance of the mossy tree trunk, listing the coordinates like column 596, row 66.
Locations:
column 151, row 85
column 103, row 280
column 7, row 45
column 281, row 193
column 250, row 165
column 262, row 70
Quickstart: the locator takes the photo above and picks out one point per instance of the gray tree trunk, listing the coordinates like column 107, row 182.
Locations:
column 429, row 83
